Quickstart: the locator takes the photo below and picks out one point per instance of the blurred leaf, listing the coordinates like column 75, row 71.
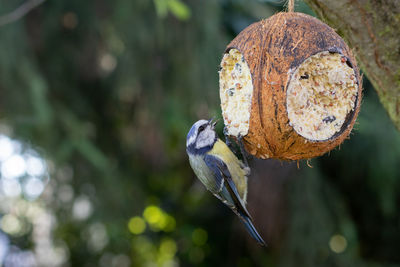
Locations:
column 161, row 7
column 179, row 9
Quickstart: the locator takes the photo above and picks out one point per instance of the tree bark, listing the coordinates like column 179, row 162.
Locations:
column 372, row 30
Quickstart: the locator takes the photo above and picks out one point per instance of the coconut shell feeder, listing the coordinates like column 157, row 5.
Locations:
column 290, row 86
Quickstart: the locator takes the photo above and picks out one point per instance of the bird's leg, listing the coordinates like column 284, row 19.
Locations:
column 227, row 138
column 242, row 150
column 240, row 143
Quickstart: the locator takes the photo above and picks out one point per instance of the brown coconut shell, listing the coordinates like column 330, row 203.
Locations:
column 271, row 48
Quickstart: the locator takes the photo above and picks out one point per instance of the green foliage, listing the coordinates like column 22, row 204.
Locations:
column 176, row 7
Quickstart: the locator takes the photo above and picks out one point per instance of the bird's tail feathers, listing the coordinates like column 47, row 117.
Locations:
column 252, row 230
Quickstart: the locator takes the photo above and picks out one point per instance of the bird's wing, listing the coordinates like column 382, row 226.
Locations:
column 221, row 173
column 228, row 193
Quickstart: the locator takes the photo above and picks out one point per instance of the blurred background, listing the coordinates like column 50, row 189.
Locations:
column 96, row 99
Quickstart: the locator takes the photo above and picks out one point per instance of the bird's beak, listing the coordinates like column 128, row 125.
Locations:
column 213, row 122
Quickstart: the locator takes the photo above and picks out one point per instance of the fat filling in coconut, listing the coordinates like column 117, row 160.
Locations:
column 321, row 92
column 235, row 90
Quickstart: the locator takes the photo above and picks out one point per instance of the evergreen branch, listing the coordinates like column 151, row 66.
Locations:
column 19, row 12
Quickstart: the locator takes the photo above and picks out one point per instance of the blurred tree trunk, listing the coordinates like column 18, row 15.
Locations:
column 372, row 29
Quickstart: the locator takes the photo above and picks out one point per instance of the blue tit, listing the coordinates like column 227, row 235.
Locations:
column 220, row 170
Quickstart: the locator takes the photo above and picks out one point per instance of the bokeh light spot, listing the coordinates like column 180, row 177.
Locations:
column 11, row 188
column 98, row 238
column 35, row 166
column 170, row 224
column 142, row 245
column 82, row 208
column 162, row 222
column 6, row 147
column 10, row 224
column 13, row 167
column 20, row 258
column 338, row 243
column 136, row 225
column 121, row 260
column 168, row 247
column 152, row 214
column 199, row 237
column 65, row 193
column 33, row 187
column 108, row 62
column 69, row 20
column 4, row 246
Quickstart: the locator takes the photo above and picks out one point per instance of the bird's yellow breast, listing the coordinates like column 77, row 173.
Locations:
column 235, row 166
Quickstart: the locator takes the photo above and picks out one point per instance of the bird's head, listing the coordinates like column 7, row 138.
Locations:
column 201, row 136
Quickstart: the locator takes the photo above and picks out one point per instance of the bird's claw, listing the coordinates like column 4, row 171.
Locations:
column 239, row 141
column 242, row 150
column 227, row 138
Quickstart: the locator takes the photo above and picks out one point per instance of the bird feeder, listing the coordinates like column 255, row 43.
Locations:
column 290, row 86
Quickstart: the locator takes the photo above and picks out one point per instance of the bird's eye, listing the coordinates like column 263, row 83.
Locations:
column 201, row 128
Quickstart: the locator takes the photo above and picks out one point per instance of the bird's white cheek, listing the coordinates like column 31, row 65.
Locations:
column 190, row 140
column 206, row 138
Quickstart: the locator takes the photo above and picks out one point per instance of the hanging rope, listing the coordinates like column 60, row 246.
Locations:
column 290, row 5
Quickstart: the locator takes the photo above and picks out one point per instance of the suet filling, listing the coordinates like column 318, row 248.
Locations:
column 322, row 91
column 235, row 90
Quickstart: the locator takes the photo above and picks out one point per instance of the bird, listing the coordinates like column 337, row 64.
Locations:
column 221, row 172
